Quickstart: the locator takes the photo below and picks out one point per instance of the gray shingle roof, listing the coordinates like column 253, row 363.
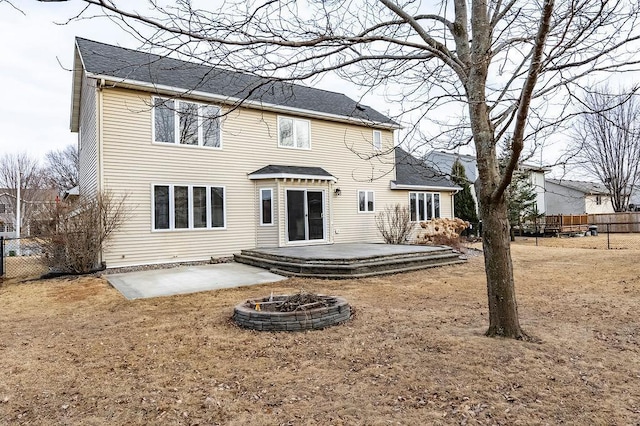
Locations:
column 274, row 171
column 131, row 65
column 414, row 172
column 582, row 186
column 292, row 170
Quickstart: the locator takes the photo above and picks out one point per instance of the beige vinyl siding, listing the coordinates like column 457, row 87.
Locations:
column 132, row 164
column 88, row 138
column 267, row 235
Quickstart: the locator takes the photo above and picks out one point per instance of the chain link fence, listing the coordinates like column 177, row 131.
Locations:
column 21, row 258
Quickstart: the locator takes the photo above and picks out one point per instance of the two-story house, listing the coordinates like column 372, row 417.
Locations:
column 213, row 161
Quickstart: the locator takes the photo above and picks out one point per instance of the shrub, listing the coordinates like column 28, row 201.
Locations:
column 394, row 224
column 77, row 232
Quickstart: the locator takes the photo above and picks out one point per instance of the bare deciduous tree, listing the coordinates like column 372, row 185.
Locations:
column 23, row 170
column 607, row 141
column 62, row 167
column 478, row 69
column 77, row 232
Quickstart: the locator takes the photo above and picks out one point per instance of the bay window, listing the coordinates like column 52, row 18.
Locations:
column 424, row 206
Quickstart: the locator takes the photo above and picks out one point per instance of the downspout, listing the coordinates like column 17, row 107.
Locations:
column 99, row 136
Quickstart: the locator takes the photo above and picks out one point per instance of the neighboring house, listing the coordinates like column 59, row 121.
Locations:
column 577, row 197
column 213, row 161
column 34, row 204
column 7, row 214
column 443, row 162
column 634, row 198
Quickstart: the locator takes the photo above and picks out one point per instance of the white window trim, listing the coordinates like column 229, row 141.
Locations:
column 191, row 228
column 176, row 125
column 433, row 205
column 294, row 132
column 366, row 201
column 262, row 218
column 373, row 142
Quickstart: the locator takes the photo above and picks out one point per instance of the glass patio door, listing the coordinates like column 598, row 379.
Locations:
column 305, row 215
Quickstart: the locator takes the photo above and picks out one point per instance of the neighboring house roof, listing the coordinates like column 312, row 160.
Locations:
column 412, row 173
column 442, row 162
column 588, row 188
column 273, row 171
column 71, row 193
column 163, row 74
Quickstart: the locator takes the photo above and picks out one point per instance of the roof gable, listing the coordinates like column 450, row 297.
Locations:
column 126, row 65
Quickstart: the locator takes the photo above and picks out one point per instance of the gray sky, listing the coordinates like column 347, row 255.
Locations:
column 35, row 74
column 36, row 56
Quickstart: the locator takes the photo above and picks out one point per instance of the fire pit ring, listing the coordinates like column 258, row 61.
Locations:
column 261, row 314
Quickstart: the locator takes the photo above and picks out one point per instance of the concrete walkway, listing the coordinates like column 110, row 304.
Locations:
column 188, row 279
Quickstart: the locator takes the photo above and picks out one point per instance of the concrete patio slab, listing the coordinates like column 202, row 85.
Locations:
column 188, row 279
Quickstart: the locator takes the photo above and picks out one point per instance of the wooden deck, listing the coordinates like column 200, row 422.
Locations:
column 566, row 224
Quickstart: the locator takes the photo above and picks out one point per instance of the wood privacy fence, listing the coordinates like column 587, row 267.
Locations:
column 624, row 222
column 616, row 222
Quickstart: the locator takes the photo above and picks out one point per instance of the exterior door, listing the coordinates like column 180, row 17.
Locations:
column 305, row 215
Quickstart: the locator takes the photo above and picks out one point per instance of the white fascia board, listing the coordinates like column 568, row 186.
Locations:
column 289, row 176
column 196, row 94
column 425, row 188
column 76, row 88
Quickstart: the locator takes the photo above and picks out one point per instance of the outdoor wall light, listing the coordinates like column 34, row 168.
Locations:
column 337, row 191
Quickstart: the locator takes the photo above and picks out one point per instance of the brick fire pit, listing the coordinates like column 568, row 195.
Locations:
column 267, row 314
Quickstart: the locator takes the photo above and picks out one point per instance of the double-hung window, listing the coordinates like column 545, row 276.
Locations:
column 188, row 207
column 377, row 140
column 424, row 205
column 186, row 123
column 365, row 201
column 294, row 133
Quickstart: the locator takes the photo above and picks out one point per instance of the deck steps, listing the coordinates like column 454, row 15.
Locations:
column 349, row 267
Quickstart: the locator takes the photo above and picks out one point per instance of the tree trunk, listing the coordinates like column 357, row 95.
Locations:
column 503, row 310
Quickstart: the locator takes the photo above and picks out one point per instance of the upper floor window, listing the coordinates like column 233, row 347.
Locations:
column 424, row 205
column 294, row 133
column 3, row 208
column 186, row 123
column 365, row 201
column 599, row 200
column 377, row 140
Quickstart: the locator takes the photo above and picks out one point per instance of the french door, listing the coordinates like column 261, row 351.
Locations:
column 305, row 215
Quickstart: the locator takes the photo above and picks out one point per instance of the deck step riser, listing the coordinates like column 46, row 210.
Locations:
column 353, row 269
column 360, row 261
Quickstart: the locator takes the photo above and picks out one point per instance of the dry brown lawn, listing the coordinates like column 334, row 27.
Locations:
column 73, row 351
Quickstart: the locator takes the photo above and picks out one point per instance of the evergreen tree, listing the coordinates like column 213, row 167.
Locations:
column 464, row 204
column 521, row 199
